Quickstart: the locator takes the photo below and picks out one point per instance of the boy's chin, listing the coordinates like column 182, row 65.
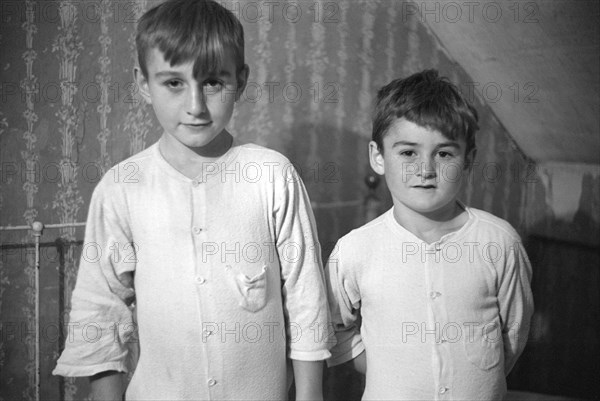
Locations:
column 198, row 144
column 211, row 146
column 196, row 140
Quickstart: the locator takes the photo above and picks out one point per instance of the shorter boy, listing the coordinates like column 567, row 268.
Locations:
column 442, row 290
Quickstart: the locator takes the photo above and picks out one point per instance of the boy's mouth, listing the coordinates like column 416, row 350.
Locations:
column 198, row 124
column 424, row 186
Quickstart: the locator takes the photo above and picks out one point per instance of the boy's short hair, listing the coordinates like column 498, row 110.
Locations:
column 427, row 100
column 191, row 30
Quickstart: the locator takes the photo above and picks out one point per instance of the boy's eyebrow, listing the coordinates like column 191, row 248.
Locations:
column 405, row 143
column 450, row 144
column 169, row 73
column 222, row 74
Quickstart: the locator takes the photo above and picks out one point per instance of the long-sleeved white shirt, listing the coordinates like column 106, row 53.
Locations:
column 440, row 321
column 225, row 272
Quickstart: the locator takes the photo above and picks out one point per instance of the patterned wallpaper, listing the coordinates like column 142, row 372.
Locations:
column 69, row 111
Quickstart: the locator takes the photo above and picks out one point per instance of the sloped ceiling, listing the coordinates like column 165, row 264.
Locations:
column 543, row 55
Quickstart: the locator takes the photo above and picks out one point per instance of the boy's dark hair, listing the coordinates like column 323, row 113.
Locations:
column 191, row 30
column 427, row 100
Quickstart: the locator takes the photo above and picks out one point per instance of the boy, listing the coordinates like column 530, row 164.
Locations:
column 442, row 289
column 214, row 239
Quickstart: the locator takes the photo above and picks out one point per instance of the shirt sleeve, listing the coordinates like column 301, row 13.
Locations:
column 303, row 289
column 344, row 302
column 100, row 320
column 516, row 304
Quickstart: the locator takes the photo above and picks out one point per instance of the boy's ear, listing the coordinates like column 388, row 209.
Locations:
column 470, row 159
column 376, row 158
column 142, row 83
column 242, row 80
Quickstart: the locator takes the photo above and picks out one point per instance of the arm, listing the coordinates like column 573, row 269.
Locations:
column 308, row 376
column 516, row 304
column 344, row 302
column 303, row 282
column 102, row 292
column 360, row 363
column 107, row 386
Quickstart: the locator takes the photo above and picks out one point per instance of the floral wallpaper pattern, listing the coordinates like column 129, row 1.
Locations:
column 70, row 110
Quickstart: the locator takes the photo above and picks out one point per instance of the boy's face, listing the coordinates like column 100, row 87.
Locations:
column 423, row 169
column 193, row 110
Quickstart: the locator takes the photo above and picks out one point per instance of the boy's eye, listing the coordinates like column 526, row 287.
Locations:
column 407, row 153
column 212, row 85
column 173, row 83
column 444, row 154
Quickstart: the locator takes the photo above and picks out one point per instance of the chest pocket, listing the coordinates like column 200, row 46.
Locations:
column 484, row 346
column 251, row 291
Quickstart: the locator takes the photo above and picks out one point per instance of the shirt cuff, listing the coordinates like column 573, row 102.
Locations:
column 86, row 371
column 309, row 356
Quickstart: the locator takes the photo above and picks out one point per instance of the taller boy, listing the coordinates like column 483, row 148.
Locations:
column 213, row 239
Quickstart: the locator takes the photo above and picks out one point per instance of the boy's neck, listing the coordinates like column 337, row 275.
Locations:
column 432, row 227
column 191, row 161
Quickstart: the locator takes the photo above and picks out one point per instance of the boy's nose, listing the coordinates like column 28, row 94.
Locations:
column 427, row 169
column 196, row 102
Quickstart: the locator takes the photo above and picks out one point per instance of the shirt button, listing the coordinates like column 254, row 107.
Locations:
column 211, row 382
column 200, row 280
column 434, row 294
column 197, row 230
column 443, row 390
column 195, row 183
